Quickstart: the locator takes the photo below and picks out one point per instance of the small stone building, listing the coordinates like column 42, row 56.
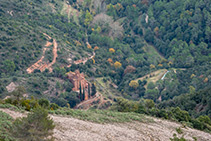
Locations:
column 78, row 79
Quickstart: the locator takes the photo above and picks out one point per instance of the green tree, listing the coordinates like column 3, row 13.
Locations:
column 204, row 119
column 88, row 18
column 18, row 92
column 149, row 103
column 181, row 115
column 89, row 91
column 44, row 103
column 36, row 126
column 80, row 92
column 8, row 66
column 83, row 95
column 93, row 90
column 151, row 85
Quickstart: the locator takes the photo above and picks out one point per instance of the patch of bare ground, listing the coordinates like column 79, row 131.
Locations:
column 40, row 64
column 71, row 129
column 88, row 103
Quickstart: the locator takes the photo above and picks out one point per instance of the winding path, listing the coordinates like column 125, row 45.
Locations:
column 55, row 55
column 165, row 75
column 40, row 64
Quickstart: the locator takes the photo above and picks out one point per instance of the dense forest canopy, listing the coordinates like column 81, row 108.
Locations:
column 135, row 43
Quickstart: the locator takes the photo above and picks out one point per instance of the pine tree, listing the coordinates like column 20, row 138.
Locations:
column 89, row 91
column 36, row 126
column 83, row 96
column 93, row 90
column 80, row 92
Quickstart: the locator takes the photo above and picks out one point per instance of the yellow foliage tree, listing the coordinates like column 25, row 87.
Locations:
column 156, row 30
column 77, row 43
column 68, row 42
column 160, row 65
column 111, row 50
column 89, row 46
column 206, row 80
column 133, row 84
column 93, row 60
column 170, row 63
column 192, row 75
column 98, row 29
column 117, row 64
column 152, row 66
column 192, row 89
column 109, row 6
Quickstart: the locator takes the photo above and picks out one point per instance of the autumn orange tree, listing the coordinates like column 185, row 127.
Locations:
column 96, row 48
column 110, row 60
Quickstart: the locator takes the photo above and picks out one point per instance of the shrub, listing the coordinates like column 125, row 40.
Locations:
column 54, row 106
column 44, row 103
column 36, row 126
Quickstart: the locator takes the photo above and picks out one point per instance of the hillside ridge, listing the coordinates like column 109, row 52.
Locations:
column 70, row 128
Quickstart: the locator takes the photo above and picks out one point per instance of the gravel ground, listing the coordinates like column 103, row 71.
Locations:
column 70, row 129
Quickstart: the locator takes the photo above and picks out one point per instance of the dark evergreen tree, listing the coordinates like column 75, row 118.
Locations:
column 80, row 92
column 89, row 91
column 83, row 95
column 93, row 90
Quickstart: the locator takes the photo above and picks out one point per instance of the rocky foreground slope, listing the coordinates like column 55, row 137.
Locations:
column 71, row 129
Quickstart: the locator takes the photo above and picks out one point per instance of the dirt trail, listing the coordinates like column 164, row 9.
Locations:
column 156, row 75
column 48, row 44
column 55, row 55
column 47, row 36
column 70, row 129
column 84, row 60
column 40, row 64
column 86, row 104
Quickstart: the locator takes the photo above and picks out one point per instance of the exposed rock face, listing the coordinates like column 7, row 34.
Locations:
column 11, row 87
column 147, row 19
column 78, row 79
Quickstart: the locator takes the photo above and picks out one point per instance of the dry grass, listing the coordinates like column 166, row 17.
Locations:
column 155, row 76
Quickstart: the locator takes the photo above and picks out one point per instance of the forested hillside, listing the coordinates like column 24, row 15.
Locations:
column 135, row 49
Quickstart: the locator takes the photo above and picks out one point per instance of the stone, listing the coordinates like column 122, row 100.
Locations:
column 77, row 79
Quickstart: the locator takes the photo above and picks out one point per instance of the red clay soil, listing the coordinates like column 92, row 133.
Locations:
column 48, row 44
column 47, row 36
column 55, row 55
column 84, row 60
column 40, row 64
column 88, row 103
